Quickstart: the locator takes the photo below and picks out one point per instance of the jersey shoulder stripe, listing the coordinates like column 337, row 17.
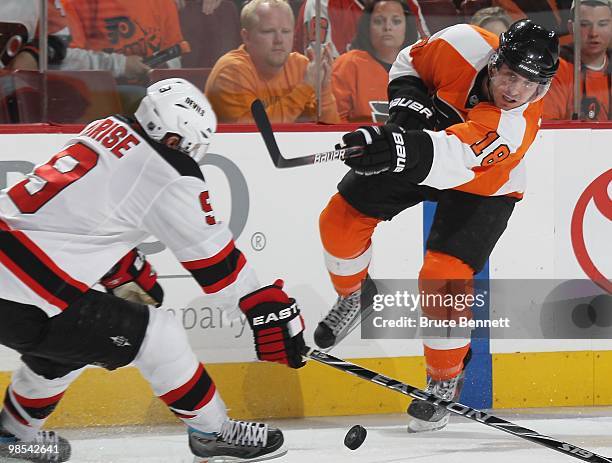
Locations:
column 473, row 44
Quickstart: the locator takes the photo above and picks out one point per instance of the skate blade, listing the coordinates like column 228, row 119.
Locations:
column 268, row 456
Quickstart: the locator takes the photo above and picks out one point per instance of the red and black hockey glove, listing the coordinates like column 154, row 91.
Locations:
column 133, row 279
column 384, row 150
column 277, row 325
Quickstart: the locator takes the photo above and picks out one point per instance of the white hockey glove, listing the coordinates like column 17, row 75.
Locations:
column 133, row 279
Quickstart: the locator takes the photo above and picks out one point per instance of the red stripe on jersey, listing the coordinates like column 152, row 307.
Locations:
column 37, row 403
column 31, row 283
column 228, row 280
column 9, row 406
column 207, row 398
column 185, row 417
column 174, row 395
column 44, row 258
column 203, row 263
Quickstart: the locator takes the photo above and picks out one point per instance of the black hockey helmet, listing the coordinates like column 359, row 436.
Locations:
column 530, row 50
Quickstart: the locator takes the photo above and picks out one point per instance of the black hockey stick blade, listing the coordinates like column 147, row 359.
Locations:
column 265, row 129
column 455, row 407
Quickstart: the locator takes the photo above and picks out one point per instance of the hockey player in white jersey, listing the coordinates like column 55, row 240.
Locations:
column 62, row 227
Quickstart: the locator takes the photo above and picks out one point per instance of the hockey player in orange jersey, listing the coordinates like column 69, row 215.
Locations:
column 464, row 108
column 113, row 185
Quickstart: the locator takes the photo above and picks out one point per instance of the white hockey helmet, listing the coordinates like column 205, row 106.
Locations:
column 176, row 107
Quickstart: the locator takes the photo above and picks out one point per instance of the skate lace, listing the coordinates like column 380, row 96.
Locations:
column 46, row 438
column 343, row 312
column 42, row 437
column 245, row 433
column 443, row 389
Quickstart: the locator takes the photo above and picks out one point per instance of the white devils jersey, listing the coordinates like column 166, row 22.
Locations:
column 74, row 217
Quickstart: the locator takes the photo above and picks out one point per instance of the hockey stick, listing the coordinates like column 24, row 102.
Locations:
column 455, row 407
column 167, row 54
column 265, row 129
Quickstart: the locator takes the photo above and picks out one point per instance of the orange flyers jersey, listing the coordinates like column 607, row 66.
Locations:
column 130, row 27
column 57, row 22
column 559, row 101
column 483, row 152
column 359, row 83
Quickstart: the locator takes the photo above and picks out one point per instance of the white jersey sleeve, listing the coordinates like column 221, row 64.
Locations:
column 182, row 217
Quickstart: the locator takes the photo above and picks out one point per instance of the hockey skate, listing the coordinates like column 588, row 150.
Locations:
column 430, row 417
column 47, row 446
column 343, row 317
column 238, row 441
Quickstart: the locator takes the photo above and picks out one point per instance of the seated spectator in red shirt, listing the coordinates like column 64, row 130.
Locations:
column 360, row 76
column 339, row 23
column 493, row 19
column 596, row 71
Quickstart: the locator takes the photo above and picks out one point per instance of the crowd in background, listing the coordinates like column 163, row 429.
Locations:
column 268, row 49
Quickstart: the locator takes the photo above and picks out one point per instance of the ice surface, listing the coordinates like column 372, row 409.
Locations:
column 320, row 440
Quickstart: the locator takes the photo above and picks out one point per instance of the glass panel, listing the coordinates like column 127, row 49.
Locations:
column 103, row 54
column 585, row 94
column 365, row 42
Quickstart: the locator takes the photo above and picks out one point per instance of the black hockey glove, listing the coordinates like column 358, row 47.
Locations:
column 277, row 325
column 385, row 149
column 410, row 106
column 133, row 279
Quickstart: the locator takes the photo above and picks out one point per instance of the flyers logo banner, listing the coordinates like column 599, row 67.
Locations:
column 597, row 192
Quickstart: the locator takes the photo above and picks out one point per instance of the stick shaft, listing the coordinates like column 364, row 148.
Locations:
column 457, row 408
column 265, row 129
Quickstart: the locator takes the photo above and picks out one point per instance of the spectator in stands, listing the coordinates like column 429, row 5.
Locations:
column 62, row 55
column 125, row 27
column 360, row 76
column 493, row 19
column 264, row 67
column 212, row 27
column 339, row 20
column 552, row 14
column 596, row 71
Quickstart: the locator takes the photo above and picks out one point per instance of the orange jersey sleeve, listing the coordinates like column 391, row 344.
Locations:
column 359, row 83
column 234, row 83
column 448, row 62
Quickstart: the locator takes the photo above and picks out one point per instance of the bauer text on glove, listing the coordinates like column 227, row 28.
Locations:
column 385, row 149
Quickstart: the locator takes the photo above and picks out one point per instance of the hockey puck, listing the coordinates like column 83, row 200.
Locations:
column 355, row 437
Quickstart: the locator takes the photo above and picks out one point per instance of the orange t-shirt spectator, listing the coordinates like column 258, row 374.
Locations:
column 596, row 72
column 265, row 68
column 130, row 27
column 360, row 76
